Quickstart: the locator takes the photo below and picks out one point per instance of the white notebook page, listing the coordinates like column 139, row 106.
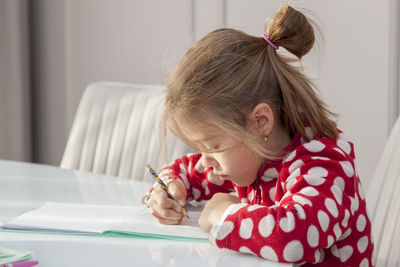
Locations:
column 81, row 218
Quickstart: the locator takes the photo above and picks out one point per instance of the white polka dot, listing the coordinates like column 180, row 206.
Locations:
column 334, row 249
column 225, row 229
column 196, row 193
column 330, row 241
column 323, row 220
column 346, row 234
column 270, row 174
column 309, row 191
column 319, row 255
column 331, row 206
column 236, row 207
column 347, row 168
column 287, row 223
column 250, row 196
column 346, row 218
column 246, row 228
column 345, row 253
column 184, row 176
column 319, row 158
column 293, row 251
column 345, row 146
column 364, row 263
column 291, row 156
column 302, row 200
column 337, row 193
column 289, row 184
column 295, row 165
column 318, row 171
column 266, row 225
column 340, row 151
column 245, row 249
column 313, row 180
column 362, row 244
column 244, row 200
column 205, row 187
column 293, row 175
column 309, row 132
column 268, row 253
column 300, row 211
column 288, row 193
column 339, row 181
column 361, row 223
column 314, row 146
column 312, row 236
column 272, row 192
column 337, row 231
column 254, row 207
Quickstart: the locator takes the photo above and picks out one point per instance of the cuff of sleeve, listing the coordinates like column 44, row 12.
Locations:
column 212, row 236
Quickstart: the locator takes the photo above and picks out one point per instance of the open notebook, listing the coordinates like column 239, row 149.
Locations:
column 105, row 220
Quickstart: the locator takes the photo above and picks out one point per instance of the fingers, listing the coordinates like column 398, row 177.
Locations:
column 163, row 220
column 160, row 197
column 178, row 192
column 166, row 210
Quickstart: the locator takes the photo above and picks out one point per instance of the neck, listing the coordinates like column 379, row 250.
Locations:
column 278, row 139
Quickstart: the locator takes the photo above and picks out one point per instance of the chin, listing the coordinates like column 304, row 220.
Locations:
column 241, row 184
column 244, row 183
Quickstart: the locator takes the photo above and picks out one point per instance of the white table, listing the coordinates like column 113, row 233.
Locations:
column 26, row 186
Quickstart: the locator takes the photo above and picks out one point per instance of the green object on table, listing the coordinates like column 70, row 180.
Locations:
column 9, row 255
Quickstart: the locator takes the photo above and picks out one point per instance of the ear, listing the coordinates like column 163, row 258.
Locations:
column 263, row 117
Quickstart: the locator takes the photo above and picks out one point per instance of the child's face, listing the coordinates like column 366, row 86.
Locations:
column 230, row 158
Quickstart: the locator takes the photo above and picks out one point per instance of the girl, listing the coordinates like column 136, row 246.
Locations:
column 264, row 134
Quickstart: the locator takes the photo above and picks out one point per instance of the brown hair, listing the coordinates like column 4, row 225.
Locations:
column 228, row 72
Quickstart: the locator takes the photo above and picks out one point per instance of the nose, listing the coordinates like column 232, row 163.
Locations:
column 208, row 160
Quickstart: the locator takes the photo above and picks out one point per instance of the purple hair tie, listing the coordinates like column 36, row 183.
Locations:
column 265, row 36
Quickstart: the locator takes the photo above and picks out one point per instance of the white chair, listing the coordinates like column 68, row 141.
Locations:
column 116, row 131
column 383, row 201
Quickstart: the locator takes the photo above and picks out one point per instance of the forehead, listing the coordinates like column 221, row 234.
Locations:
column 203, row 132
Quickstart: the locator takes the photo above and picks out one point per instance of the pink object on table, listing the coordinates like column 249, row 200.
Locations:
column 20, row 264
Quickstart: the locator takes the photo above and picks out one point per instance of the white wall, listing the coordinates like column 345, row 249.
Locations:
column 15, row 108
column 139, row 41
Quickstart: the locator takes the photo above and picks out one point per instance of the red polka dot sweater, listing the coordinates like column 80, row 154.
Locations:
column 308, row 208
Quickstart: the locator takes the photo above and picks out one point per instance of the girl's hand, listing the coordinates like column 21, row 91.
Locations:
column 214, row 209
column 166, row 210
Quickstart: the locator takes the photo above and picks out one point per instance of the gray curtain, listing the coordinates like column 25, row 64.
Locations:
column 15, row 107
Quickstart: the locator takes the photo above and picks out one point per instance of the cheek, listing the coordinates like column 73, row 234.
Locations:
column 247, row 159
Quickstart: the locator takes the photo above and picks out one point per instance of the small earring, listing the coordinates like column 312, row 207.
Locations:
column 265, row 138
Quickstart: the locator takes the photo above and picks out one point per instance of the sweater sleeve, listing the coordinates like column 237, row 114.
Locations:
column 199, row 181
column 312, row 214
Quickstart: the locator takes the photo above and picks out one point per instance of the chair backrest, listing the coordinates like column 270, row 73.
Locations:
column 383, row 201
column 116, row 131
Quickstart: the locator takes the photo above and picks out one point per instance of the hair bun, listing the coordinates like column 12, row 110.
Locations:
column 292, row 30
